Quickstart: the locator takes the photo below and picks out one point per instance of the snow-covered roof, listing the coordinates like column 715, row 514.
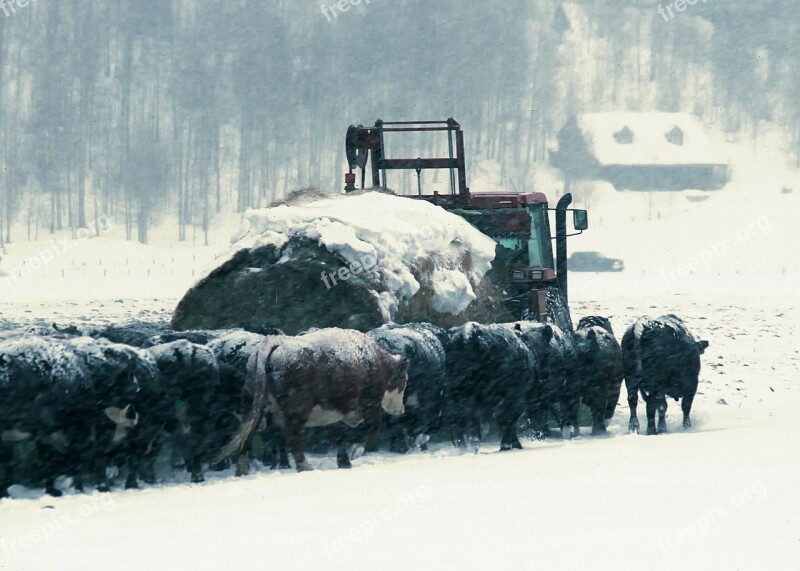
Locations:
column 393, row 237
column 654, row 139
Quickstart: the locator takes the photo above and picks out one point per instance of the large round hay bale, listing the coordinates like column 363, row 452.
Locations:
column 353, row 261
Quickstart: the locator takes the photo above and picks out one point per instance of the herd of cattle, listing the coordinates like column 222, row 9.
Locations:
column 96, row 401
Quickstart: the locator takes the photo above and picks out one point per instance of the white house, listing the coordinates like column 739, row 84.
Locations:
column 641, row 151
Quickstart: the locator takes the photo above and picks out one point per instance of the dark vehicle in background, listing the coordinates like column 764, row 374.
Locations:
column 594, row 262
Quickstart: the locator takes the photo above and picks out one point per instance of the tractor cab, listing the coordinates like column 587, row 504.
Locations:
column 533, row 283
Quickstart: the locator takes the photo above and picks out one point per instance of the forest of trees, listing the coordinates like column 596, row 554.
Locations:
column 146, row 109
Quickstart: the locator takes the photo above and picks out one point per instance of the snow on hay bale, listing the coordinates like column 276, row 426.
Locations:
column 355, row 261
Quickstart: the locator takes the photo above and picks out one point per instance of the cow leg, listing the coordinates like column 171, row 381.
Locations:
column 373, row 418
column 686, row 406
column 268, row 450
column 340, row 437
column 342, row 459
column 47, row 457
column 633, row 403
column 177, row 458
column 274, row 441
column 510, row 441
column 294, row 436
column 6, row 466
column 242, row 461
column 456, row 422
column 474, row 433
column 189, row 446
column 661, row 406
column 100, row 475
column 82, row 451
column 594, row 397
column 146, row 469
column 421, row 441
column 144, row 452
column 195, row 467
column 508, row 426
column 192, row 457
column 132, row 479
column 538, row 420
column 457, row 437
column 598, row 420
column 453, row 418
column 414, row 429
column 651, row 403
column 283, row 456
column 398, row 443
column 461, row 423
column 569, row 426
column 613, row 389
column 395, row 428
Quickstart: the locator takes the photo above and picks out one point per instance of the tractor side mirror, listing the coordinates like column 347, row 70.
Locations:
column 580, row 220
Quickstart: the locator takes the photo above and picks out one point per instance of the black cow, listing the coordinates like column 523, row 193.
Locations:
column 599, row 369
column 114, row 367
column 76, row 399
column 134, row 333
column 661, row 359
column 425, row 391
column 190, row 381
column 490, row 373
column 559, row 388
column 199, row 337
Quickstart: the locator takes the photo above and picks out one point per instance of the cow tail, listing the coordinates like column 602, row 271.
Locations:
column 251, row 421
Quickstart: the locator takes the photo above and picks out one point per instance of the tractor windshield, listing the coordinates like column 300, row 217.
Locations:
column 540, row 249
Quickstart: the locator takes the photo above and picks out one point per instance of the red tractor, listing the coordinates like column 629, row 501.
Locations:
column 533, row 285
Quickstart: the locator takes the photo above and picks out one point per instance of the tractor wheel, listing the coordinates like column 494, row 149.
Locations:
column 557, row 309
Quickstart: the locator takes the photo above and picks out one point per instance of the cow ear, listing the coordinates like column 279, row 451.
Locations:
column 547, row 333
column 115, row 414
column 702, row 346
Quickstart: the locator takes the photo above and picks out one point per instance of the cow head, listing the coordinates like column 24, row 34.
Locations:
column 396, row 386
column 124, row 419
column 589, row 343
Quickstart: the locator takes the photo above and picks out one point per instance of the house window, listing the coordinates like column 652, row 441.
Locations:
column 624, row 136
column 675, row 136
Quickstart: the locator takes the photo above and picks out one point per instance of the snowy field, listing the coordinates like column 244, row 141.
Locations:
column 722, row 496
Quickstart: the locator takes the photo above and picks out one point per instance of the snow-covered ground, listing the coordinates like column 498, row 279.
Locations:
column 722, row 496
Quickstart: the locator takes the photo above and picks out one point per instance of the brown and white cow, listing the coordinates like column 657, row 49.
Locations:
column 328, row 376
